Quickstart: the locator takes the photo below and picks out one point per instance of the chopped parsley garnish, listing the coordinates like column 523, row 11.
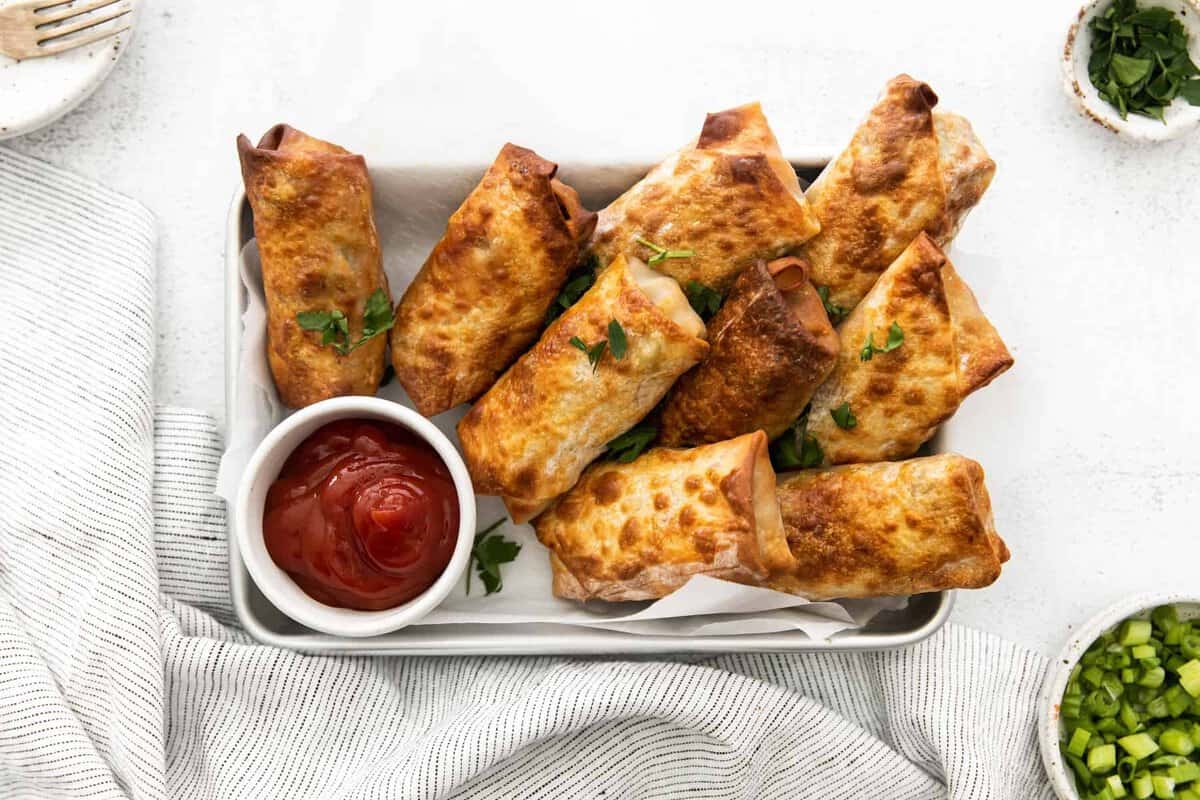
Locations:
column 616, row 342
column 796, row 447
column 661, row 253
column 1139, row 61
column 488, row 553
column 843, row 416
column 704, row 299
column 576, row 286
column 334, row 327
column 895, row 339
column 630, row 444
column 835, row 312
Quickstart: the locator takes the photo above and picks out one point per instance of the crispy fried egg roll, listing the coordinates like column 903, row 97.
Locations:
column 874, row 530
column 907, row 169
column 481, row 297
column 899, row 398
column 771, row 346
column 639, row 531
column 531, row 435
column 730, row 198
column 315, row 228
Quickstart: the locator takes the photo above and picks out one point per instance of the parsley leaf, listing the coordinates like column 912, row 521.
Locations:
column 843, row 416
column 576, row 286
column 488, row 553
column 835, row 312
column 661, row 253
column 1140, row 61
column 704, row 299
column 630, row 444
column 594, row 353
column 895, row 339
column 617, row 342
column 796, row 447
column 334, row 327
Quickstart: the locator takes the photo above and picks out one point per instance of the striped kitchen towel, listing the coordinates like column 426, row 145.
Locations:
column 123, row 673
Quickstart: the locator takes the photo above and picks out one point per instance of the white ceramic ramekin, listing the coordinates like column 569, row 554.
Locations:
column 1049, row 724
column 264, row 467
column 1180, row 117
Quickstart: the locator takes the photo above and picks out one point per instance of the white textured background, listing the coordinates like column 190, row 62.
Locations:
column 1085, row 252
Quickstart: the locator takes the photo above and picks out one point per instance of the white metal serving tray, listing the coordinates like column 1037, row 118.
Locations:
column 443, row 188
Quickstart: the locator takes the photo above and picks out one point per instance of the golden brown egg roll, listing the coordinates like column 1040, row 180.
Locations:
column 906, row 170
column 899, row 398
column 531, row 435
column 639, row 531
column 481, row 297
column 771, row 346
column 730, row 198
column 315, row 228
column 875, row 530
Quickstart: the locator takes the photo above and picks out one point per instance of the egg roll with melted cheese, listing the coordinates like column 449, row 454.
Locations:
column 900, row 397
column 315, row 229
column 639, row 531
column 902, row 528
column 771, row 346
column 531, row 435
column 730, row 198
column 481, row 297
column 906, row 170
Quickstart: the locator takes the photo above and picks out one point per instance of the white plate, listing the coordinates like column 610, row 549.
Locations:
column 37, row 91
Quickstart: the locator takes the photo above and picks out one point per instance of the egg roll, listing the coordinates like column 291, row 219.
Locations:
column 771, row 345
column 899, row 398
column 906, row 170
column 875, row 530
column 730, row 198
column 481, row 297
column 315, row 229
column 639, row 531
column 531, row 435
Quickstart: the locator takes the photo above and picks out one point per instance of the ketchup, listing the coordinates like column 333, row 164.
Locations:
column 363, row 515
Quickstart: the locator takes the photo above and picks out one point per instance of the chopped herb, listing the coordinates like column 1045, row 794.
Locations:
column 335, row 327
column 617, row 342
column 835, row 312
column 488, row 553
column 796, row 447
column 661, row 253
column 576, row 286
column 895, row 339
column 594, row 352
column 1139, row 61
column 704, row 299
column 843, row 416
column 630, row 444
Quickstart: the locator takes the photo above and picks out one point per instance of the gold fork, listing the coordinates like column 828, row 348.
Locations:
column 47, row 27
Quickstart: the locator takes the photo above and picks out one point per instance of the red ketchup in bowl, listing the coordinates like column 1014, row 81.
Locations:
column 363, row 515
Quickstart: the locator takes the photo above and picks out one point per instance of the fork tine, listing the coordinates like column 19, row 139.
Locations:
column 60, row 45
column 44, row 18
column 90, row 21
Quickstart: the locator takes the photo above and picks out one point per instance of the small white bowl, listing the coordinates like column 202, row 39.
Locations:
column 1050, row 728
column 1180, row 117
column 261, row 472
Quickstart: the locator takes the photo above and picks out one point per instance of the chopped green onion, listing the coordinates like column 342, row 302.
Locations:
column 1164, row 787
column 1102, row 758
column 1141, row 786
column 1135, row 632
column 1177, row 742
column 1115, row 786
column 1138, row 745
column 1079, row 740
column 1189, row 677
column 1164, row 618
column 1184, row 773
